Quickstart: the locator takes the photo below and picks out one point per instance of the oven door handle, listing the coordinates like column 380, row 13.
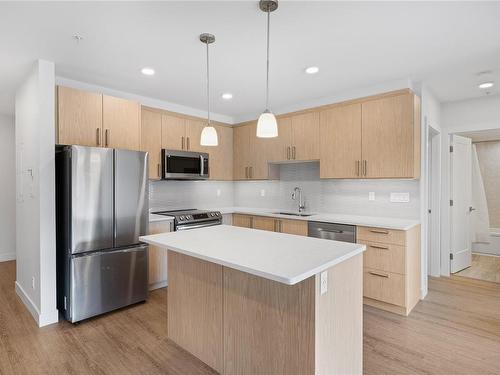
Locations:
column 209, row 224
column 202, row 172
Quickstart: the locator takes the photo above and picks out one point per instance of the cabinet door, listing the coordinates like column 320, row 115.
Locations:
column 221, row 156
column 298, row 227
column 241, row 137
column 305, row 136
column 257, row 156
column 280, row 148
column 121, row 123
column 264, row 223
column 388, row 137
column 173, row 132
column 151, row 140
column 340, row 142
column 242, row 220
column 158, row 256
column 79, row 115
column 193, row 135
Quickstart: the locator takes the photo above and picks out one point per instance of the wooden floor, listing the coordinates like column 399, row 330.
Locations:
column 456, row 330
column 484, row 267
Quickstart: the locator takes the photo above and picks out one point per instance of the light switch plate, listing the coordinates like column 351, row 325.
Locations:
column 371, row 196
column 262, row 193
column 400, row 197
column 324, row 282
column 218, row 192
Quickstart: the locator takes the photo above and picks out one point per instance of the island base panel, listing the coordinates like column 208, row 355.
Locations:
column 239, row 323
column 195, row 307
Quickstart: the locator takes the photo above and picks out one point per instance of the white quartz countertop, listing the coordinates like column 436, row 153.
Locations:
column 368, row 221
column 153, row 218
column 281, row 257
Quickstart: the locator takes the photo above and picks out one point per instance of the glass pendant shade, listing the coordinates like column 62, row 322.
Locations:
column 209, row 136
column 267, row 127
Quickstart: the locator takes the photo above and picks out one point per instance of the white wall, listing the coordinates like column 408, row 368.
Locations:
column 190, row 194
column 339, row 196
column 7, row 189
column 35, row 193
column 466, row 115
column 431, row 124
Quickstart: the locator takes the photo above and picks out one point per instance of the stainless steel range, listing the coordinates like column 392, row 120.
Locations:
column 192, row 218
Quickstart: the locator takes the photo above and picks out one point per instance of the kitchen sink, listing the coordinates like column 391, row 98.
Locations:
column 292, row 214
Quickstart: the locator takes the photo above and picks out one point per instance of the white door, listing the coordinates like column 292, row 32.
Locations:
column 461, row 195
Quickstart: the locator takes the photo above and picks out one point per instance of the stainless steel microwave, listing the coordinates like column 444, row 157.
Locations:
column 184, row 165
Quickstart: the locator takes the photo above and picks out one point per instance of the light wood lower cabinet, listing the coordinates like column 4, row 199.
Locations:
column 158, row 256
column 391, row 278
column 298, row 227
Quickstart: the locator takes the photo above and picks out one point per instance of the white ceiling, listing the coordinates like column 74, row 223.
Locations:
column 354, row 44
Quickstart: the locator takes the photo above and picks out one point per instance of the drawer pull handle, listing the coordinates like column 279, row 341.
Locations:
column 379, row 274
column 379, row 247
column 379, row 231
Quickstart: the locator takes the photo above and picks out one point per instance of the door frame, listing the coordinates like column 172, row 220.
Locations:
column 433, row 202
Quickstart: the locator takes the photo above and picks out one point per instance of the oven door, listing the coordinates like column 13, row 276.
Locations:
column 184, row 165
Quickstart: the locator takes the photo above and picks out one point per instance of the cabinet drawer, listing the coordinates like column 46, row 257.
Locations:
column 384, row 286
column 385, row 257
column 396, row 237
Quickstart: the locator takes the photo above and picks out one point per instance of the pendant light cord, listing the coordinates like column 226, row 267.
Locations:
column 208, row 87
column 267, row 62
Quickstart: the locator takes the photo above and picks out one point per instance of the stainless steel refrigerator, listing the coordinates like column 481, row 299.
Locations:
column 102, row 209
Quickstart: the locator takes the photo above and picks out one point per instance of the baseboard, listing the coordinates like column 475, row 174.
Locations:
column 41, row 319
column 161, row 284
column 5, row 257
column 28, row 302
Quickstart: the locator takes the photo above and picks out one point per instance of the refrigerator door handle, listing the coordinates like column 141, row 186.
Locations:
column 202, row 172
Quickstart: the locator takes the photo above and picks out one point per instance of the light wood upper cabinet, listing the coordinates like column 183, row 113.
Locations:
column 340, row 142
column 173, row 132
column 241, row 144
column 79, row 115
column 280, row 148
column 193, row 135
column 121, row 123
column 305, row 136
column 391, row 137
column 221, row 156
column 151, row 140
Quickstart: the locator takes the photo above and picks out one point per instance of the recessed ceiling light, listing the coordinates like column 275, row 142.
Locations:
column 227, row 96
column 486, row 85
column 312, row 70
column 148, row 71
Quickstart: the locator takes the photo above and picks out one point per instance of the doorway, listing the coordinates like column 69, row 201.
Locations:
column 475, row 205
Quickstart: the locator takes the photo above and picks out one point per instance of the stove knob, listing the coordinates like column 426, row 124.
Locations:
column 189, row 217
column 182, row 218
column 217, row 213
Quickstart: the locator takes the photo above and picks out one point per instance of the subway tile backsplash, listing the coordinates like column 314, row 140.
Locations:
column 339, row 196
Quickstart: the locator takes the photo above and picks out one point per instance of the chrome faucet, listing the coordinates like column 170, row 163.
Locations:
column 302, row 203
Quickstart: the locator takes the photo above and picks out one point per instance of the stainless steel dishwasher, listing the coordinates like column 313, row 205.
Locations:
column 331, row 231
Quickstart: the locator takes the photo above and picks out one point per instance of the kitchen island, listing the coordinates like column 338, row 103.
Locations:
column 247, row 301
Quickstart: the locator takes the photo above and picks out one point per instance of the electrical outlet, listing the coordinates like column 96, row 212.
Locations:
column 324, row 282
column 33, row 282
column 371, row 196
column 218, row 192
column 400, row 197
column 262, row 193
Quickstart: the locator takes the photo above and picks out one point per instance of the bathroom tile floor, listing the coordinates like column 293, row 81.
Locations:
column 484, row 267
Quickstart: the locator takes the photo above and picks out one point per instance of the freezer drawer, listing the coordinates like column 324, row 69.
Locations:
column 105, row 281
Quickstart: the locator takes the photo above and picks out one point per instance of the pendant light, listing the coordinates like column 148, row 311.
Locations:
column 267, row 127
column 208, row 134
